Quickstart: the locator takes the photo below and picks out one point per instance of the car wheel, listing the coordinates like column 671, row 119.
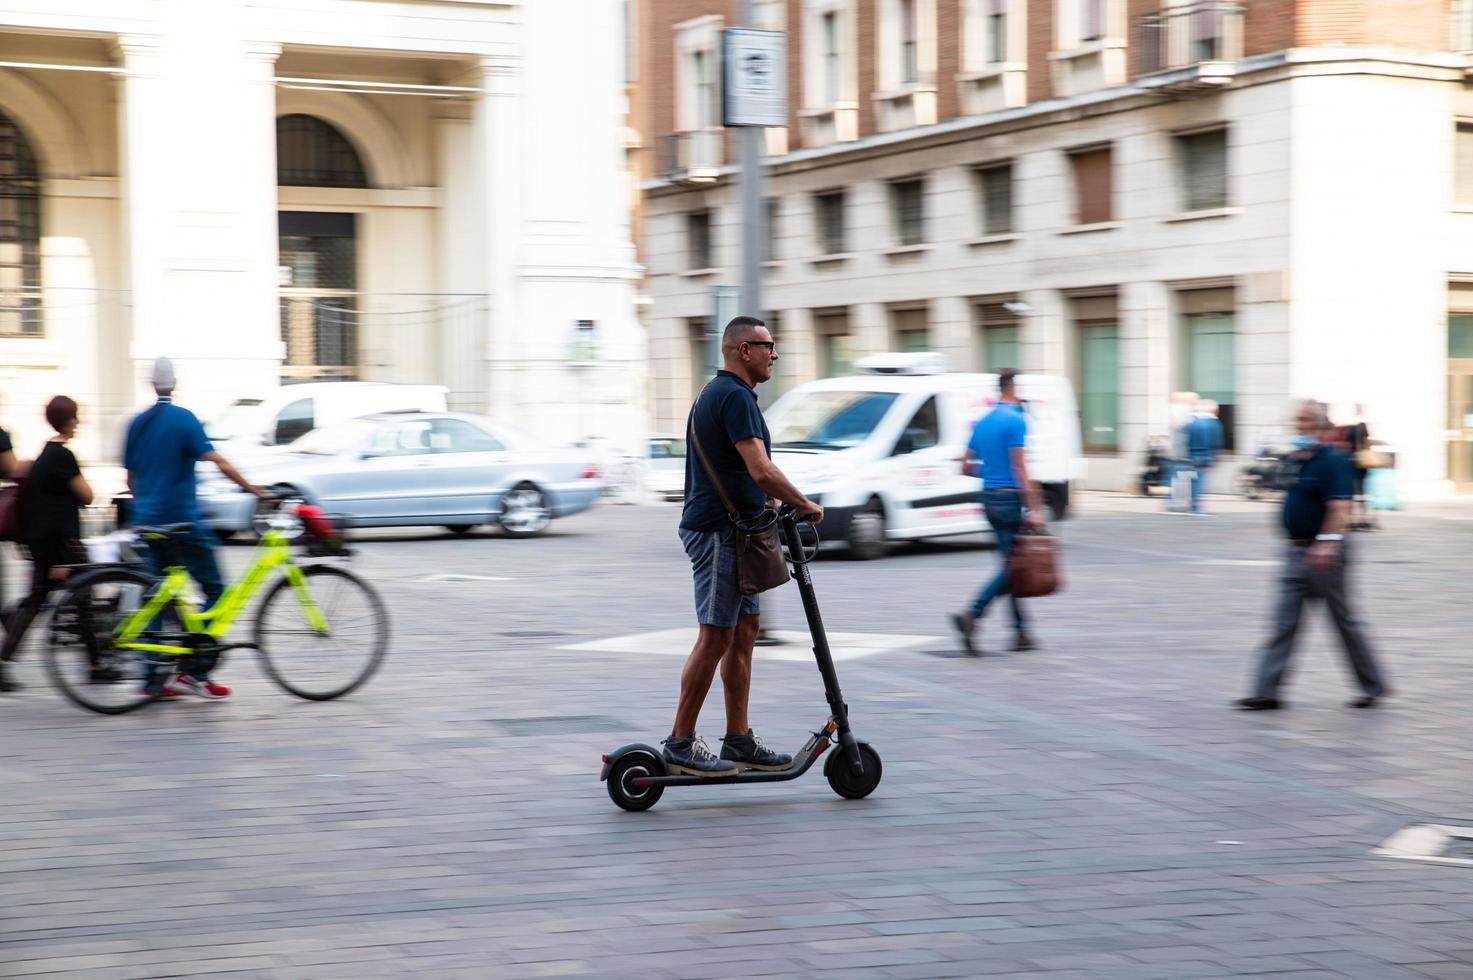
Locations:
column 459, row 528
column 866, row 533
column 525, row 512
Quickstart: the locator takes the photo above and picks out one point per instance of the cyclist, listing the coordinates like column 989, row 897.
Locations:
column 162, row 446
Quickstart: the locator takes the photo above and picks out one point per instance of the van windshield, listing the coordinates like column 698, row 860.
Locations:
column 830, row 419
column 236, row 421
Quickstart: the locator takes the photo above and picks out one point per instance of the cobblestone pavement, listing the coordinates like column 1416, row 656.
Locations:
column 1088, row 810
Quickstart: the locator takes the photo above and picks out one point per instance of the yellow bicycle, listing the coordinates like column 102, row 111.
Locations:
column 120, row 635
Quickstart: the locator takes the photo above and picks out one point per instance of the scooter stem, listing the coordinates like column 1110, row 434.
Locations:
column 839, row 711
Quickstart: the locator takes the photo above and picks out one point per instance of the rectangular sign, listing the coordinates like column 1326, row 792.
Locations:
column 755, row 75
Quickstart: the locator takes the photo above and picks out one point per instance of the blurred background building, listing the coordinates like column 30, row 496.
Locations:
column 281, row 190
column 1252, row 200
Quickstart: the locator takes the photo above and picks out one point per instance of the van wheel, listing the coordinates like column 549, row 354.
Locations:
column 866, row 534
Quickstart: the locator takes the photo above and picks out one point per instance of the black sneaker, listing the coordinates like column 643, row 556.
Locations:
column 7, row 682
column 691, row 757
column 965, row 623
column 748, row 752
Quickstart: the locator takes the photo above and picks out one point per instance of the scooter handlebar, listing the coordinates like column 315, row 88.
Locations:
column 788, row 511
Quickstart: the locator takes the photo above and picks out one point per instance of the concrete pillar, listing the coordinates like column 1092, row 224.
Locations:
column 951, row 331
column 1146, row 352
column 497, row 135
column 1043, row 333
column 869, row 325
column 799, row 348
column 460, row 343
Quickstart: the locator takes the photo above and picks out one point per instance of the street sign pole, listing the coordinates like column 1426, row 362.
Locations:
column 754, row 96
column 752, row 210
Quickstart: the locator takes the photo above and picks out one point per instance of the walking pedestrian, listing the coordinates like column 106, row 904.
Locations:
column 56, row 492
column 1316, row 510
column 998, row 445
column 727, row 432
column 1204, row 441
column 1180, row 415
column 162, row 447
column 9, row 467
column 1360, row 451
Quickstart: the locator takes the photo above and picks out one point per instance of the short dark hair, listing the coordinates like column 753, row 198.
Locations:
column 738, row 330
column 1007, row 379
column 59, row 411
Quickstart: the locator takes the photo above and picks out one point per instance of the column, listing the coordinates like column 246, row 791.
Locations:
column 461, row 339
column 498, row 137
column 1043, row 343
column 951, row 331
column 143, row 184
column 1146, row 358
column 869, row 325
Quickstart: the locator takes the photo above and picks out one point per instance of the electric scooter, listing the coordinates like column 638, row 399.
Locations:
column 636, row 774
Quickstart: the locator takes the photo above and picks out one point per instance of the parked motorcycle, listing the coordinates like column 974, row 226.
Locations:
column 1157, row 472
column 1269, row 473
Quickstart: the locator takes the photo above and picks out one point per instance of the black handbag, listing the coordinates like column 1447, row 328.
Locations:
column 760, row 562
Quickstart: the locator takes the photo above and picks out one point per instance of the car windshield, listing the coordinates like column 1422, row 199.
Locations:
column 830, row 419
column 236, row 421
column 332, row 440
column 667, row 449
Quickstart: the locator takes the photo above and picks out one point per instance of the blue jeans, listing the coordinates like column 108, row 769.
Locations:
column 1004, row 510
column 196, row 552
column 1199, row 484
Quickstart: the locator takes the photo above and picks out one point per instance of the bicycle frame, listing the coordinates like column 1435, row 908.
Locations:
column 272, row 553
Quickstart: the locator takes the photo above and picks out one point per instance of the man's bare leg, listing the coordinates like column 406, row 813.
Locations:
column 700, row 668
column 736, row 673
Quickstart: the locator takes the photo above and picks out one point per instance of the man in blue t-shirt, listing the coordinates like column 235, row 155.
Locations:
column 162, row 446
column 728, row 437
column 997, row 444
column 1316, row 511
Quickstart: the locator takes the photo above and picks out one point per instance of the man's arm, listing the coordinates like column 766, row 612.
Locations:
column 231, row 473
column 1025, row 486
column 766, row 475
column 969, row 463
column 10, row 466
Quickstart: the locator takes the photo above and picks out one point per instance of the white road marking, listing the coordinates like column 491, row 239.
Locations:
column 1425, row 842
column 461, row 577
column 796, row 645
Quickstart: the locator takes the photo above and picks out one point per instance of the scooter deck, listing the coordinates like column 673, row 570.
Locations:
column 802, row 762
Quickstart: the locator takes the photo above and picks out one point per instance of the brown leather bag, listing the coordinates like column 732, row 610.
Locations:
column 1033, row 567
column 760, row 562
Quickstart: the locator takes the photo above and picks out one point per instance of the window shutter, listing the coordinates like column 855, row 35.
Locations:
column 1204, row 170
column 1092, row 186
column 1464, row 166
column 997, row 200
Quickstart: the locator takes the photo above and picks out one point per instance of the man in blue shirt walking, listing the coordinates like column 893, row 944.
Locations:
column 998, row 445
column 1204, row 441
column 162, row 446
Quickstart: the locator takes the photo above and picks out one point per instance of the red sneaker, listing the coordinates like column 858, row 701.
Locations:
column 207, row 689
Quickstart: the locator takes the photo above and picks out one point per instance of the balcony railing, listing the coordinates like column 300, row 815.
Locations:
column 692, row 156
column 1189, row 35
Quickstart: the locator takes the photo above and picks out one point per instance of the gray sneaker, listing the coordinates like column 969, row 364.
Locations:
column 748, row 752
column 690, row 756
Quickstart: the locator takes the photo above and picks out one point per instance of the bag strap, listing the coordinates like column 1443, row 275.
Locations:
column 731, row 511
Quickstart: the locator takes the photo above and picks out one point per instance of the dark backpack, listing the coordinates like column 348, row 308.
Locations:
column 13, row 505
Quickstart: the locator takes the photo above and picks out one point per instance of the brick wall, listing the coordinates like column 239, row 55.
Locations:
column 864, row 16
column 948, row 56
column 1268, row 25
column 1416, row 25
column 795, row 72
column 1040, row 43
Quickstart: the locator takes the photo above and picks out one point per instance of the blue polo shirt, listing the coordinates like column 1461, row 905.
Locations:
column 1324, row 476
column 997, row 434
column 724, row 414
column 162, row 446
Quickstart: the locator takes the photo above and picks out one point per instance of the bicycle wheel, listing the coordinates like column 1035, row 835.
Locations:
column 84, row 664
column 321, row 666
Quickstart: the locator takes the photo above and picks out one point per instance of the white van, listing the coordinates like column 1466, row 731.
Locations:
column 283, row 414
column 881, row 450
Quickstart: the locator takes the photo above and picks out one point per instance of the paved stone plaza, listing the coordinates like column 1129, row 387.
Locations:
column 1088, row 810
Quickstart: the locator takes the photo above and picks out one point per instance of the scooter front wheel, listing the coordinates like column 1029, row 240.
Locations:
column 629, row 768
column 843, row 779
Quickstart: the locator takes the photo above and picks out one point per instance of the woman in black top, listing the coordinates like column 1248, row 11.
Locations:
column 56, row 491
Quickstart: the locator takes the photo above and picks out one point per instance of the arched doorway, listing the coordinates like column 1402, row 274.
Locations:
column 20, row 234
column 318, row 252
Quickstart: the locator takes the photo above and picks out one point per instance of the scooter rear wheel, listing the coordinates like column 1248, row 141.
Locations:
column 842, row 778
column 629, row 768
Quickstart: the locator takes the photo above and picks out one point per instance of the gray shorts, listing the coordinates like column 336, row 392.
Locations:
column 719, row 600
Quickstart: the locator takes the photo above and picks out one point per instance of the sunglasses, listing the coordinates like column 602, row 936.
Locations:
column 771, row 345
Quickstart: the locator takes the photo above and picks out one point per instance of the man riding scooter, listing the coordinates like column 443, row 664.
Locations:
column 727, row 429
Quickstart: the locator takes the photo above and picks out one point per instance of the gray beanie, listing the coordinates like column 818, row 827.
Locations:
column 163, row 375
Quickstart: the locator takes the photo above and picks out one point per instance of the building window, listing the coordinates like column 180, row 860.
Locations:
column 995, row 198
column 1202, row 176
column 312, row 153
column 1463, row 188
column 997, row 336
column 703, row 70
column 909, row 55
column 829, row 211
column 702, row 343
column 1099, row 385
column 1460, row 336
column 833, row 55
column 769, row 231
column 1091, row 19
column 318, row 256
column 911, row 333
column 835, row 346
column 698, row 239
column 20, row 235
column 908, row 211
column 1212, row 359
column 1093, row 185
column 1462, row 25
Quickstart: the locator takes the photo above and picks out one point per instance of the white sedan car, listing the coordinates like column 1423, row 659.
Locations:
column 417, row 468
column 665, row 476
